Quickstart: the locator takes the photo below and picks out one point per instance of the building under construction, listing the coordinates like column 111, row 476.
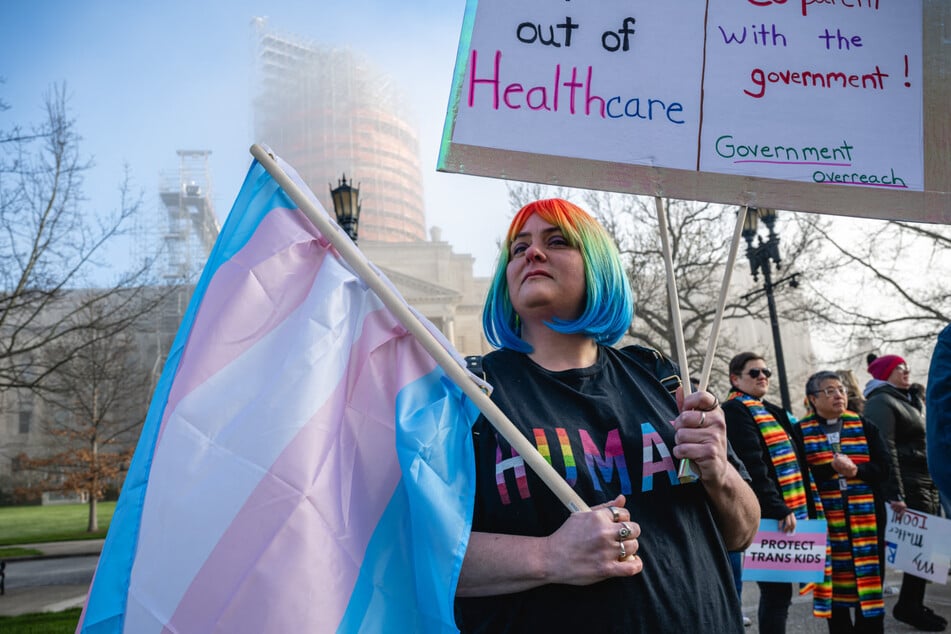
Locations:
column 329, row 113
column 191, row 225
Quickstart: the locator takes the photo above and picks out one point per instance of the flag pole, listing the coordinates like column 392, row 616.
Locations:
column 685, row 472
column 361, row 266
column 721, row 301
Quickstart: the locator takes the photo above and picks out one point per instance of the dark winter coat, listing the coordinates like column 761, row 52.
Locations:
column 901, row 424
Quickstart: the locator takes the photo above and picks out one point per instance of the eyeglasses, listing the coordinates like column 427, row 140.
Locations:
column 832, row 391
column 755, row 372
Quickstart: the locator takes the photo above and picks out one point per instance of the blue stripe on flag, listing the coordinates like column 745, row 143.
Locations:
column 407, row 583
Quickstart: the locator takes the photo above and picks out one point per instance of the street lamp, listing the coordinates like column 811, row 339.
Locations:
column 346, row 206
column 761, row 256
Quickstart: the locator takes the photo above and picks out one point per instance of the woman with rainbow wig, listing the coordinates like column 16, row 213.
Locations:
column 651, row 556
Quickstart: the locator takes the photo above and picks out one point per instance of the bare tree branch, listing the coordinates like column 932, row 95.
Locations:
column 50, row 245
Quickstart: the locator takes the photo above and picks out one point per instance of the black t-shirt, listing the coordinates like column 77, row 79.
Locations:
column 607, row 430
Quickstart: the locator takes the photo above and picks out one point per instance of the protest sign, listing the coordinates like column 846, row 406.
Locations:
column 812, row 105
column 919, row 544
column 776, row 556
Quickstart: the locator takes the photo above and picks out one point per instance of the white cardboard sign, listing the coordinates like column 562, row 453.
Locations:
column 919, row 544
column 811, row 102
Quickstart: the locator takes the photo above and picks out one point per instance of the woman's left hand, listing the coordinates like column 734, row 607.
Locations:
column 701, row 435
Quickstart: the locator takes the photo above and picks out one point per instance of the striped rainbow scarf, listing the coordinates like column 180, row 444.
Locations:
column 783, row 457
column 781, row 453
column 853, row 532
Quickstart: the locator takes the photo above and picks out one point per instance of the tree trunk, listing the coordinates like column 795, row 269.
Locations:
column 93, row 518
column 94, row 489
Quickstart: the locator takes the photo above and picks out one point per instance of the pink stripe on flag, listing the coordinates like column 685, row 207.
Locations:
column 276, row 268
column 292, row 555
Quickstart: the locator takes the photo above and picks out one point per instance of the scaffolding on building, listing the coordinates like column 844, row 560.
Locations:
column 192, row 226
column 327, row 112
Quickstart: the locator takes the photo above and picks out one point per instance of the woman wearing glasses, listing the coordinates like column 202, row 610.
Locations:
column 768, row 444
column 897, row 415
column 849, row 464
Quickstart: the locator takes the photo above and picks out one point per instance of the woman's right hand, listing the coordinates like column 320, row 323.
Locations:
column 586, row 549
column 590, row 544
column 898, row 507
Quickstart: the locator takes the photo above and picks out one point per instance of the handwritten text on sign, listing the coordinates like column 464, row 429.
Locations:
column 814, row 91
column 919, row 544
column 776, row 556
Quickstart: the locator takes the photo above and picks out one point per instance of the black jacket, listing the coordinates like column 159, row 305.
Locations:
column 902, row 426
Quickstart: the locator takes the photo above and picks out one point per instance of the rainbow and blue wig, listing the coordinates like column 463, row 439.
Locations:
column 609, row 303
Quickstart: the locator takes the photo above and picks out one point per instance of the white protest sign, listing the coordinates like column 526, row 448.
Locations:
column 814, row 105
column 919, row 544
column 776, row 556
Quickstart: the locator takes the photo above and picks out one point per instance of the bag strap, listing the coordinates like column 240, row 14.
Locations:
column 662, row 367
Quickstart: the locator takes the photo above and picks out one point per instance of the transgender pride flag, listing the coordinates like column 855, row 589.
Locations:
column 305, row 465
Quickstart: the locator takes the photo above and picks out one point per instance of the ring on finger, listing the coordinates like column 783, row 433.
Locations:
column 716, row 403
column 624, row 532
column 614, row 513
column 703, row 419
column 623, row 555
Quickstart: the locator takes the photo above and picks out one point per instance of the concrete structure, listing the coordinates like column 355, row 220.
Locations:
column 439, row 283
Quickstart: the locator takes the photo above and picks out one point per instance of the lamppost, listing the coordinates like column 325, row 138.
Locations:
column 346, row 206
column 760, row 257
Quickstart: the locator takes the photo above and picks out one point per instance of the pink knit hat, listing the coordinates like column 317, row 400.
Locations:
column 881, row 368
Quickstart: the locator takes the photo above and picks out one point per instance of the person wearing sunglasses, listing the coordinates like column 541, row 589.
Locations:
column 849, row 464
column 769, row 446
column 894, row 410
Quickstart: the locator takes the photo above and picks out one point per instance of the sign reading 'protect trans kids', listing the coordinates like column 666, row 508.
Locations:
column 779, row 557
column 655, row 96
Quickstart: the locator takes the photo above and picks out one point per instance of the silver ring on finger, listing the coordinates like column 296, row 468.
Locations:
column 623, row 555
column 624, row 532
column 716, row 402
column 614, row 513
column 703, row 419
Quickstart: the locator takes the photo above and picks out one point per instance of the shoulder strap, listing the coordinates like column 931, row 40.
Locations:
column 663, row 368
column 474, row 365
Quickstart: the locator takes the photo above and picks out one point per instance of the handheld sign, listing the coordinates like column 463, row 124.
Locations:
column 776, row 556
column 919, row 544
column 811, row 105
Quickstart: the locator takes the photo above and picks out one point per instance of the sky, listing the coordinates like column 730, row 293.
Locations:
column 146, row 79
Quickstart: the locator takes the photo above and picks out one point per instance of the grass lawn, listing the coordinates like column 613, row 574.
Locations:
column 44, row 623
column 54, row 523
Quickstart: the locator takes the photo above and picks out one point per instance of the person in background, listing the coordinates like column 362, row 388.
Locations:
column 856, row 402
column 938, row 417
column 849, row 463
column 897, row 415
column 651, row 555
column 770, row 447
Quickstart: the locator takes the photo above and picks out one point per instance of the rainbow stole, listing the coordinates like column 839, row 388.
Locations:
column 783, row 457
column 856, row 578
column 781, row 453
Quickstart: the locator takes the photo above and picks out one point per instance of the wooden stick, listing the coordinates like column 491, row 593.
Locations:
column 359, row 263
column 721, row 301
column 684, row 471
